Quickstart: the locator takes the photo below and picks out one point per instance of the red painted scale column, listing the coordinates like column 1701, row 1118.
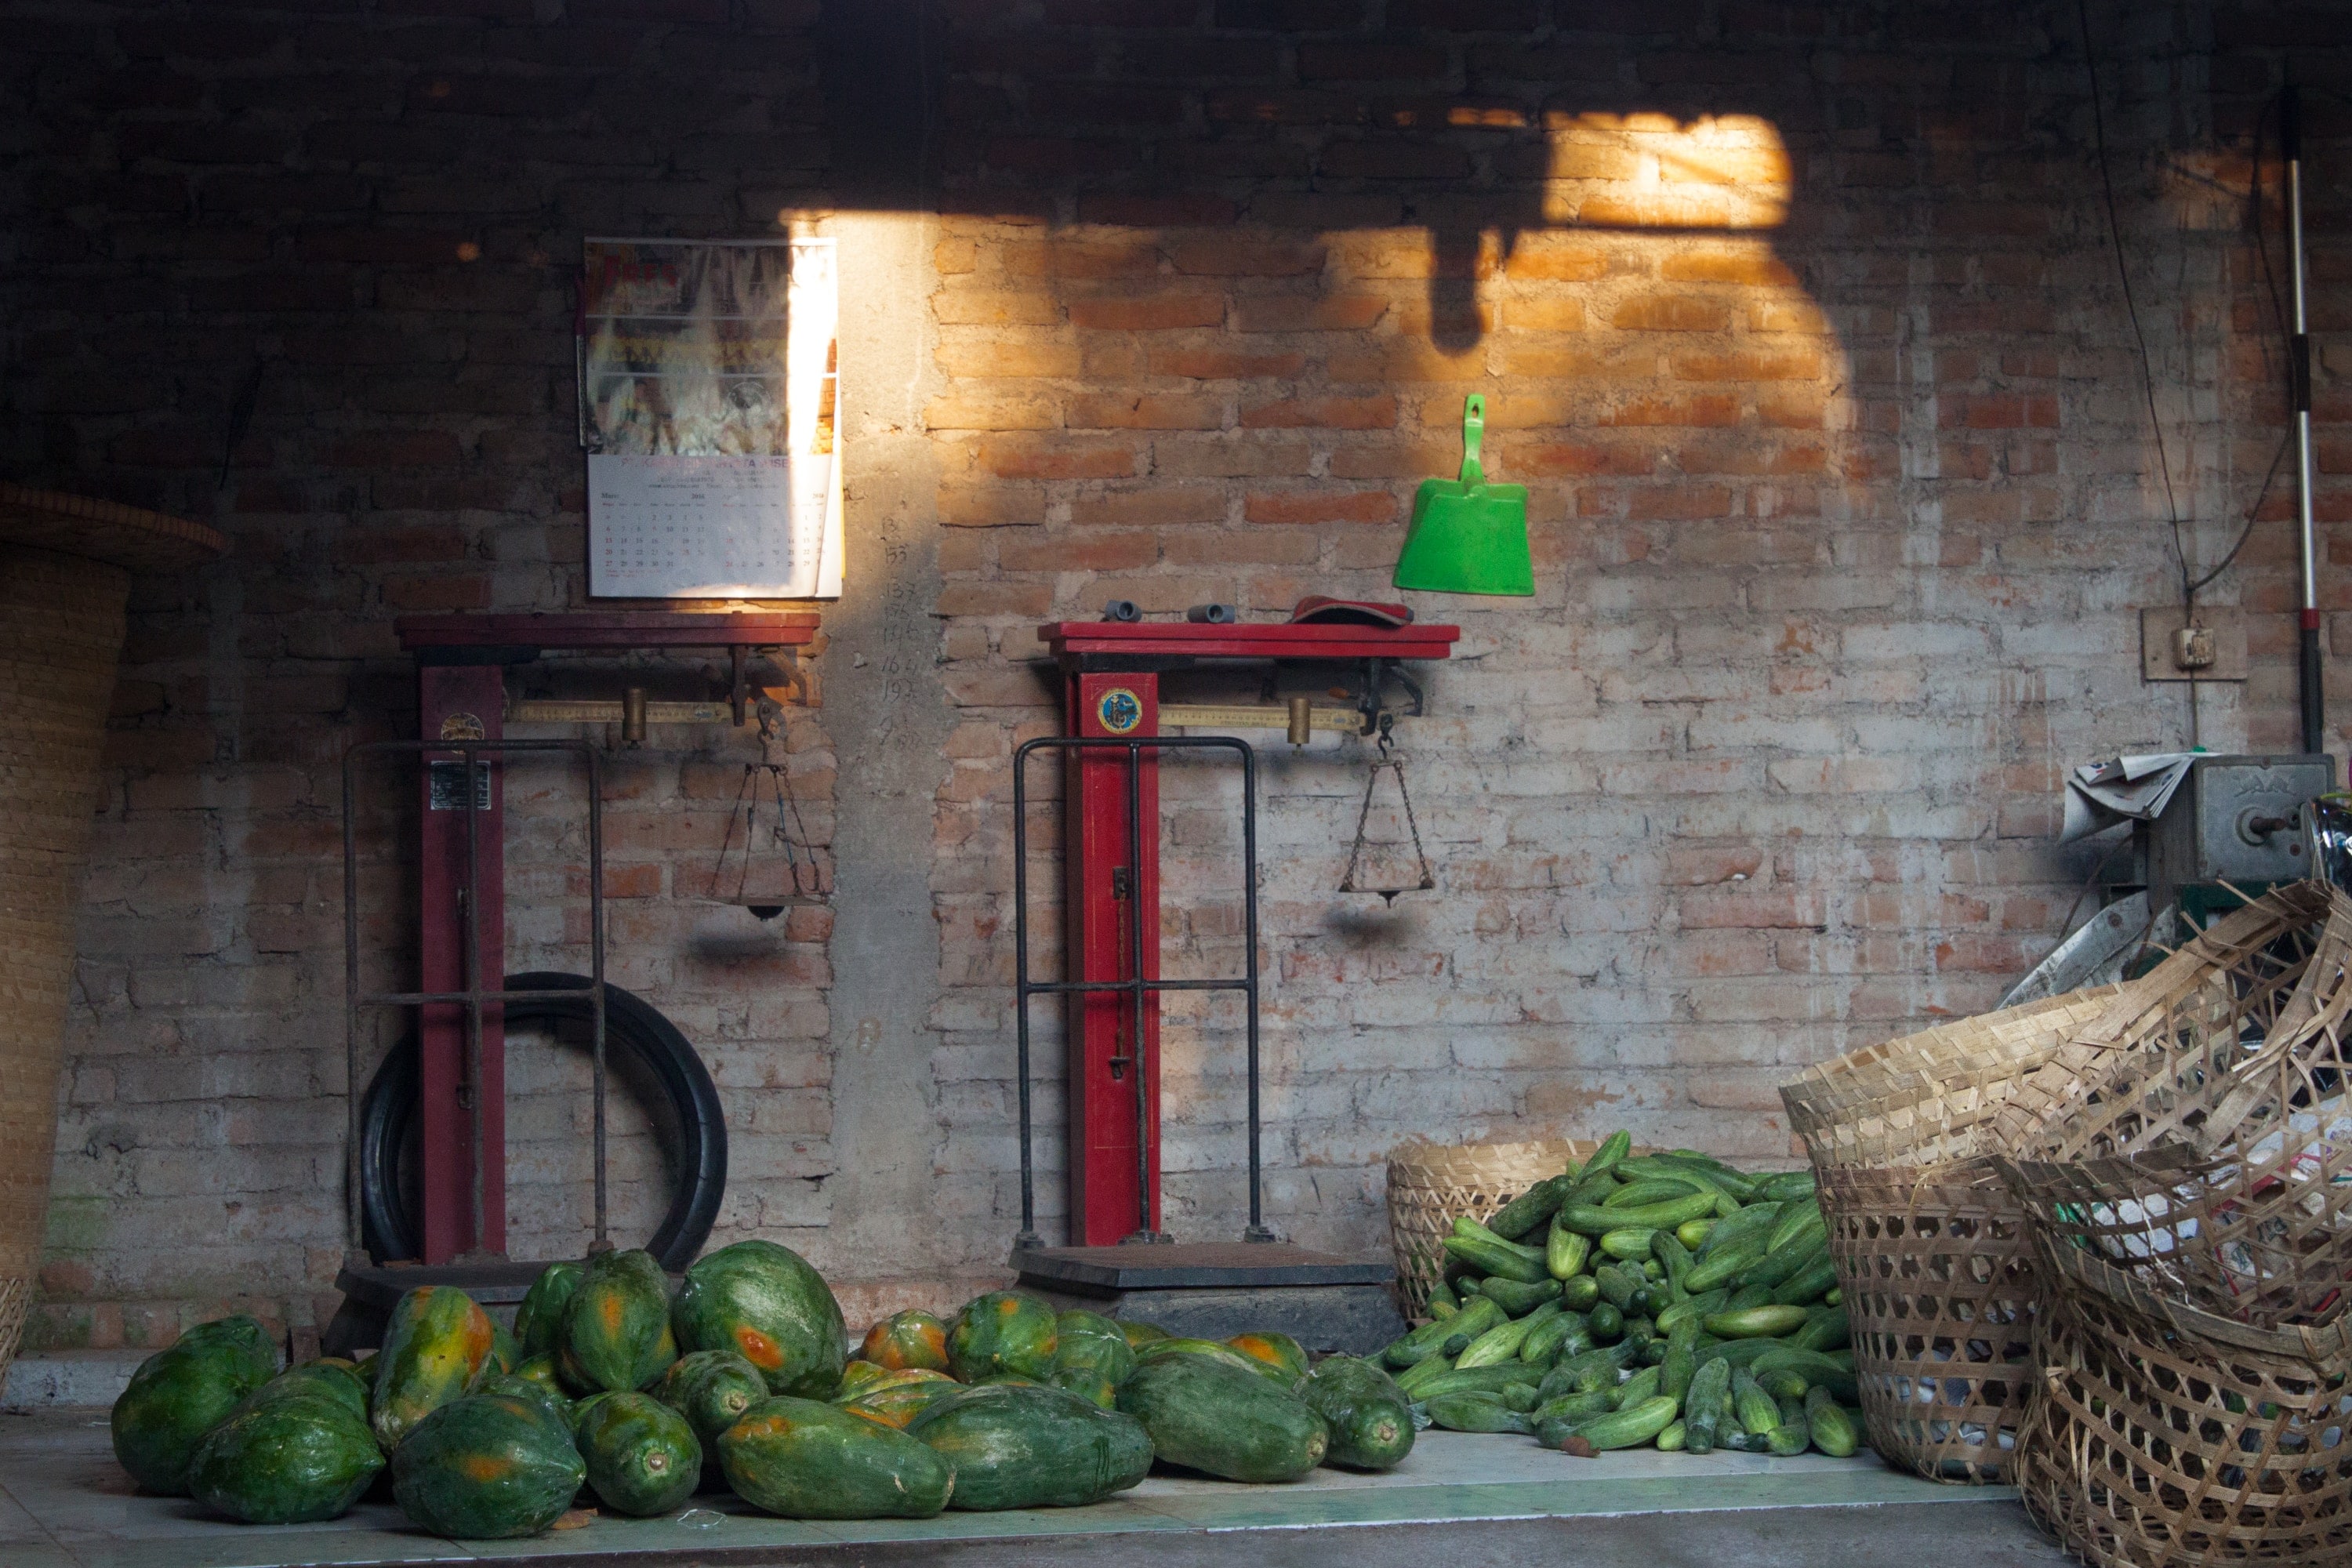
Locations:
column 461, row 702
column 1114, row 1133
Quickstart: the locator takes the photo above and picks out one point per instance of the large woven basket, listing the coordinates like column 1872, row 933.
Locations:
column 1929, row 1247
column 2163, row 1437
column 1431, row 1185
column 2197, row 1134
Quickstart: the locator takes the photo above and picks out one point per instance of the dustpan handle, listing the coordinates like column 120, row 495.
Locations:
column 1474, row 429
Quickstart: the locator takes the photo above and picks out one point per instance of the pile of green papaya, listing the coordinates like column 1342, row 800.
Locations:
column 1662, row 1300
column 614, row 1392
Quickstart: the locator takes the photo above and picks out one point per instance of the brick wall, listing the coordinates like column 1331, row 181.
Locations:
column 1799, row 322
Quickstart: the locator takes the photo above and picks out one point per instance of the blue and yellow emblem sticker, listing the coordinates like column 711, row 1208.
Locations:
column 1119, row 711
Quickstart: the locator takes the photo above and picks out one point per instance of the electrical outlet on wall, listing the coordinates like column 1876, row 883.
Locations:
column 2210, row 647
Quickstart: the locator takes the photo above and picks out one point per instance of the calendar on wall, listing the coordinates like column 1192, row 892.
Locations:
column 709, row 387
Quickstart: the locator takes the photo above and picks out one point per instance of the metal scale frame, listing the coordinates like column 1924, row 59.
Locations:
column 1112, row 745
column 461, row 705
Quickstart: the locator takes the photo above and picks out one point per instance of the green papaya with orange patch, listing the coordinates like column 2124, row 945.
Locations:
column 434, row 1349
column 642, row 1457
column 766, row 1304
column 183, row 1392
column 1000, row 1332
column 898, row 1397
column 905, row 1339
column 488, row 1468
column 616, row 1326
column 806, row 1460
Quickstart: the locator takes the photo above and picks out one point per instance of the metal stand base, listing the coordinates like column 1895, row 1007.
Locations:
column 1214, row 1290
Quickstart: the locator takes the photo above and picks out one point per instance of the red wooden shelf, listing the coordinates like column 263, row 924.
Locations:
column 1275, row 639
column 612, row 629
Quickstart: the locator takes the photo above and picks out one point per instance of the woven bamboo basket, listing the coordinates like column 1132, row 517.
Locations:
column 1431, row 1185
column 1930, row 1248
column 65, row 576
column 2197, row 1135
column 2159, row 1435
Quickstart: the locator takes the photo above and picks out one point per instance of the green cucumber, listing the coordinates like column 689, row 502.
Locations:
column 1609, row 1155
column 1476, row 1412
column 1615, row 1288
column 1808, row 1284
column 1442, row 1301
column 1519, row 1299
column 1786, row 1186
column 1693, row 1233
column 1800, row 1225
column 1594, row 1221
column 1826, row 1330
column 1757, row 1411
column 1503, row 1342
column 1739, row 1185
column 1829, row 1428
column 1462, row 1326
column 1472, row 1380
column 1606, row 1323
column 1543, row 1342
column 1596, row 1368
column 1655, row 1190
column 1783, row 1383
column 1630, row 1427
column 1565, row 1252
column 1574, row 1406
column 1577, row 1295
column 1722, row 1265
column 1630, row 1244
column 1773, row 1268
column 1530, row 1208
column 1520, row 1397
column 1748, row 1296
column 1738, row 1352
column 1481, row 1249
column 1819, row 1371
column 1693, row 1309
column 1756, row 1220
column 1703, row 1406
column 1755, row 1322
column 1681, row 1361
column 1674, row 1256
column 1673, row 1438
column 1644, row 1384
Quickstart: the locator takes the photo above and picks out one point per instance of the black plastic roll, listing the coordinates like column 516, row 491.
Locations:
column 632, row 1025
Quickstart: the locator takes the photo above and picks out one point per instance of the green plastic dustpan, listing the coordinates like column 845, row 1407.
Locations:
column 1468, row 536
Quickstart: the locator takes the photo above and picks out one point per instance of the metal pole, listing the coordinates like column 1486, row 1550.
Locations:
column 1028, row 1239
column 1256, row 1230
column 2310, row 684
column 354, row 1245
column 602, row 1241
column 469, row 932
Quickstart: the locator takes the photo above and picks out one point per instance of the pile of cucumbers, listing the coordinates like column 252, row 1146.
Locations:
column 1663, row 1299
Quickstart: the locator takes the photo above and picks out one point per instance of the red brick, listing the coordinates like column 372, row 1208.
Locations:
column 1323, row 313
column 1672, row 314
column 1320, row 506
column 1163, row 504
column 1739, row 365
column 1011, row 457
column 1704, row 409
column 1998, row 412
column 1150, row 313
column 1225, row 256
column 1114, row 411
column 1225, row 364
column 1324, row 413
column 1025, row 599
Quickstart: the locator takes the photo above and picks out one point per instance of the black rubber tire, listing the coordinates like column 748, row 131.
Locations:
column 632, row 1024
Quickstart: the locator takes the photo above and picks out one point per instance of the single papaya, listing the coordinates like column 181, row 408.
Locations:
column 617, row 1326
column 900, row 1397
column 1278, row 1356
column 295, row 1458
column 1224, row 1420
column 806, row 1460
column 766, row 1304
column 487, row 1466
column 1032, row 1447
column 1091, row 1357
column 433, row 1351
column 856, row 1377
column 642, row 1456
column 1004, row 1330
column 904, row 1340
column 711, row 1389
column 1139, row 1334
column 1369, row 1418
column 540, row 1369
column 315, row 1380
column 539, row 1321
column 183, row 1392
column 515, row 1387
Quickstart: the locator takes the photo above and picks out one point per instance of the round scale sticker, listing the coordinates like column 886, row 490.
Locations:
column 1119, row 711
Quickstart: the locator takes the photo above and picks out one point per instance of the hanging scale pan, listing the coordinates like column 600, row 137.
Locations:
column 1428, row 879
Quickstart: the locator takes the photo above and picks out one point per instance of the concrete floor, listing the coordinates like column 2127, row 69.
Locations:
column 1477, row 1500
